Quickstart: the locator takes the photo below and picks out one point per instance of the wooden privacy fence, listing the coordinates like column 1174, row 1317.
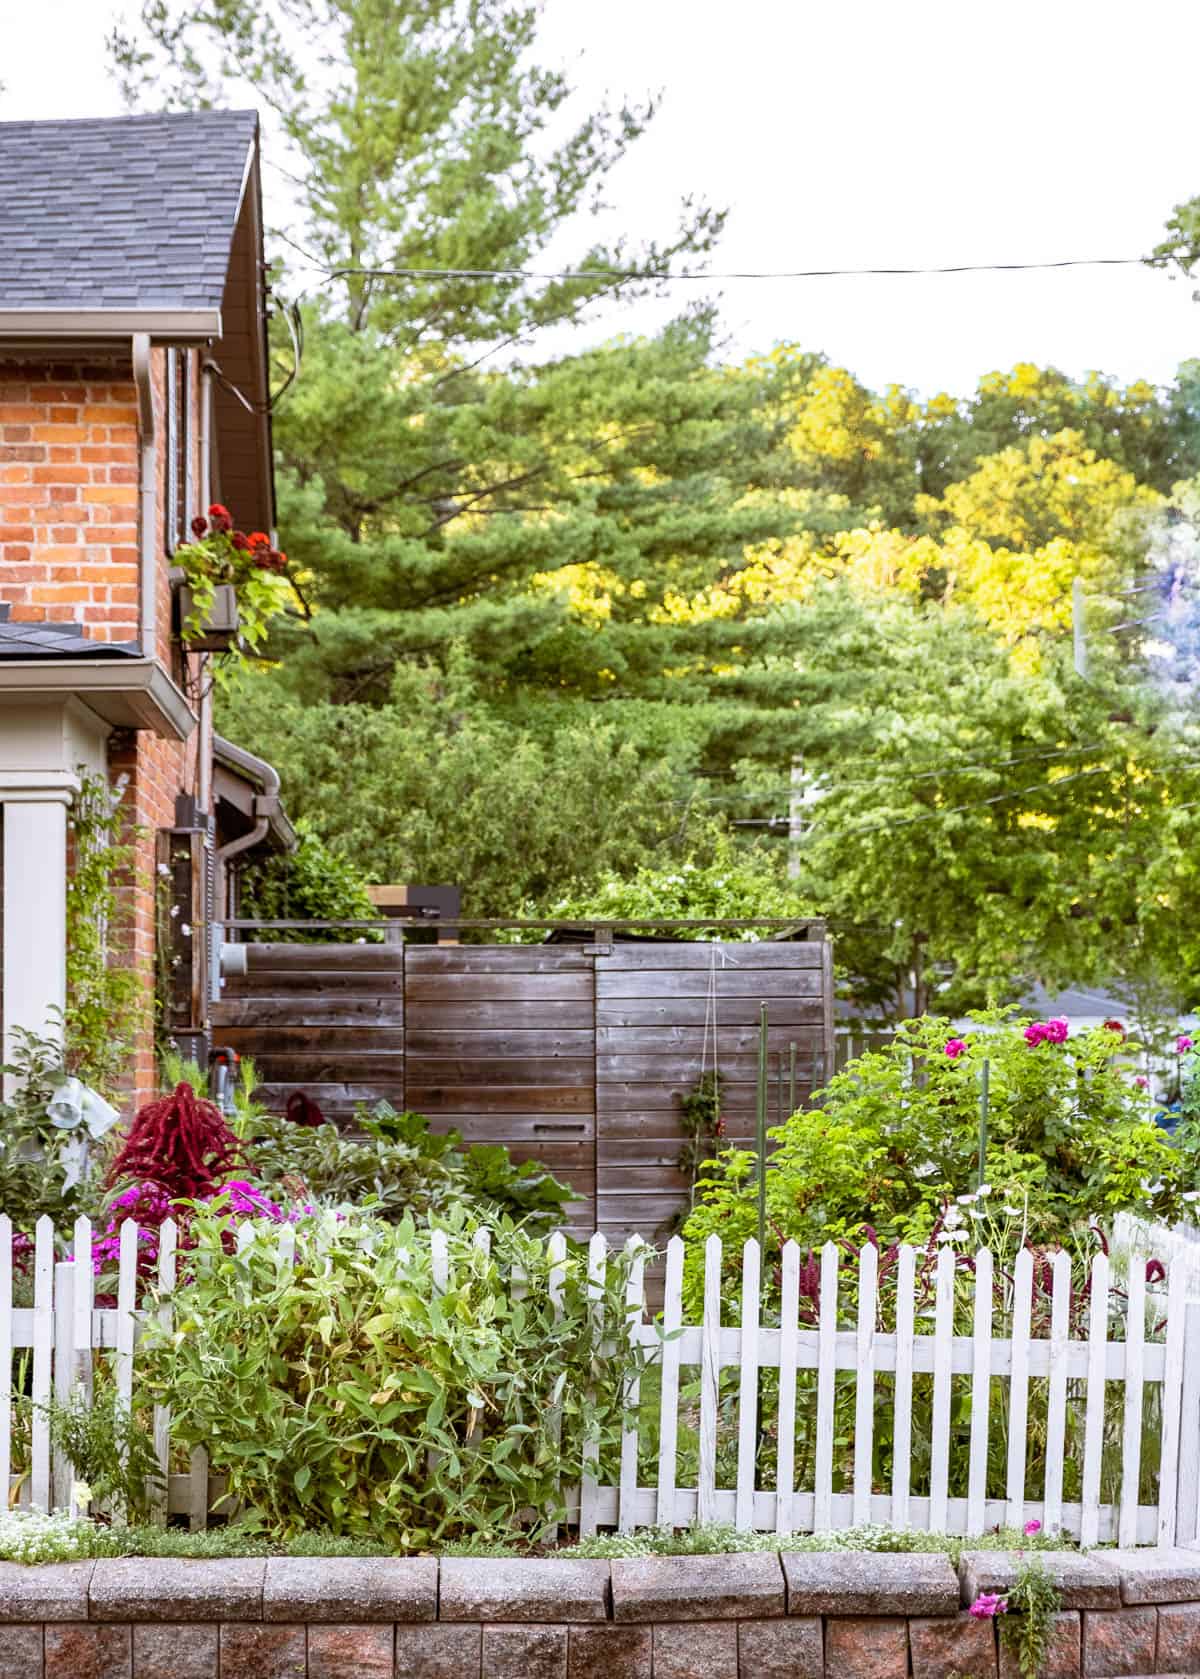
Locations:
column 776, row 1421
column 574, row 1055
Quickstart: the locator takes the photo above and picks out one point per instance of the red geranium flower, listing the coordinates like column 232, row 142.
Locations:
column 259, row 539
column 240, row 542
column 199, row 525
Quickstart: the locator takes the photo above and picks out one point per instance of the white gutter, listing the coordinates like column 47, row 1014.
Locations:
column 206, row 499
column 147, row 491
column 177, row 325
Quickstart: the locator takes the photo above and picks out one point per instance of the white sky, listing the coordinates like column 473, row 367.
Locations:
column 859, row 132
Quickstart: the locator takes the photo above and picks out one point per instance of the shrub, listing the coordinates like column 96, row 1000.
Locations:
column 895, row 1136
column 350, row 1391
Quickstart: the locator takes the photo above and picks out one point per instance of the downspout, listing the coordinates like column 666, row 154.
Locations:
column 147, row 490
column 266, row 805
column 204, row 787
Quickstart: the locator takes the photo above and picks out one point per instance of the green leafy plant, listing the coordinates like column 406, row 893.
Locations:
column 219, row 554
column 1032, row 1601
column 109, row 1449
column 360, row 1390
column 312, row 883
column 106, row 1000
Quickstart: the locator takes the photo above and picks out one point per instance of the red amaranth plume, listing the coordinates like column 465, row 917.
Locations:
column 180, row 1142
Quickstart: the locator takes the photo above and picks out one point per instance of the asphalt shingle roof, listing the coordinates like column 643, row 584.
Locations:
column 56, row 641
column 120, row 212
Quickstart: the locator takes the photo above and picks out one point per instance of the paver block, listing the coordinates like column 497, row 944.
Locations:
column 53, row 1591
column 524, row 1652
column 869, row 1583
column 349, row 1652
column 610, row 1652
column 696, row 1649
column 438, row 1652
column 1178, row 1638
column 177, row 1589
column 350, row 1590
column 791, row 1649
column 21, row 1652
column 75, row 1650
column 262, row 1652
column 523, row 1589
column 1154, row 1575
column 1083, row 1582
column 742, row 1586
column 1064, row 1650
column 175, row 1652
column 1119, row 1641
column 867, row 1647
column 952, row 1647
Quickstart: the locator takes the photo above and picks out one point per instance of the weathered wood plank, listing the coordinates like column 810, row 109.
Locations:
column 697, row 953
column 496, row 959
column 303, row 1010
column 330, row 1094
column 350, row 1042
column 800, row 1015
column 650, row 985
column 627, row 1180
column 502, row 988
column 646, row 1104
column 551, row 1068
column 508, row 1015
column 297, row 1070
column 323, row 958
column 447, row 1099
column 555, row 1041
column 666, row 1039
column 283, row 986
column 680, row 1068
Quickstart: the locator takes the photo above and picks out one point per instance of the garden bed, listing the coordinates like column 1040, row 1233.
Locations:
column 747, row 1616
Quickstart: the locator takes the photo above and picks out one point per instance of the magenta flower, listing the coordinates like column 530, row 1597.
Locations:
column 1182, row 1044
column 1031, row 1528
column 1036, row 1033
column 1142, row 1083
column 955, row 1048
column 1058, row 1030
column 987, row 1606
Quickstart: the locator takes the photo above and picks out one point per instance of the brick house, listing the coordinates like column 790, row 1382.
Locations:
column 133, row 391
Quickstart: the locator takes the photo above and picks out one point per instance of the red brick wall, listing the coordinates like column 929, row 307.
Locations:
column 69, row 495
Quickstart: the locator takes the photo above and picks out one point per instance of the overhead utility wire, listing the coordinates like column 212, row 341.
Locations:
column 729, row 274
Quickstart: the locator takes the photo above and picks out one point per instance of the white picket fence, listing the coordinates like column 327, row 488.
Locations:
column 64, row 1328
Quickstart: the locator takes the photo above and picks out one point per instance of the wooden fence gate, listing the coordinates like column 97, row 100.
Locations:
column 575, row 1055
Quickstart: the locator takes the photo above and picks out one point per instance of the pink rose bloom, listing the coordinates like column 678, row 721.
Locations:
column 1031, row 1528
column 987, row 1606
column 1036, row 1033
column 1142, row 1084
column 1057, row 1030
column 955, row 1048
column 1182, row 1045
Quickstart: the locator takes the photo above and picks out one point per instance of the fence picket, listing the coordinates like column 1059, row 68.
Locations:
column 1093, row 1427
column 64, row 1325
column 162, row 1416
column 589, row 1486
column 785, row 1435
column 981, row 1389
column 748, row 1388
column 556, row 1255
column 127, row 1256
column 83, row 1297
column 439, row 1259
column 1056, row 1392
column 826, row 1390
column 668, row 1425
column 43, row 1352
column 6, row 1356
column 1018, row 1388
column 1131, row 1445
column 1187, row 1509
column 635, row 1311
column 710, row 1379
column 902, row 1392
column 864, row 1396
column 943, row 1352
column 1172, row 1400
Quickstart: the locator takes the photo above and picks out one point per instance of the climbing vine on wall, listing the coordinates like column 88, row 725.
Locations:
column 106, row 1003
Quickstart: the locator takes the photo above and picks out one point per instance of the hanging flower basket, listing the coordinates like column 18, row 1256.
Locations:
column 213, row 627
column 230, row 585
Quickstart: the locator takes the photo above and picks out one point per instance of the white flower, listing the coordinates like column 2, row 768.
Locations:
column 1013, row 1212
column 174, row 911
column 984, row 1189
column 976, row 1212
column 964, row 1200
column 185, row 929
column 1191, row 1195
column 164, row 871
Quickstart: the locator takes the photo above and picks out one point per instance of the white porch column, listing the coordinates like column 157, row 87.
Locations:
column 35, row 900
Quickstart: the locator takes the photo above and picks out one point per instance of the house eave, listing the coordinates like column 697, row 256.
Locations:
column 174, row 326
column 128, row 693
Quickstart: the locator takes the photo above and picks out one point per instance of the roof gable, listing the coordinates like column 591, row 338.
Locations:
column 124, row 213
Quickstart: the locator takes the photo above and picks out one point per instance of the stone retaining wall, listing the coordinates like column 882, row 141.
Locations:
column 751, row 1616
